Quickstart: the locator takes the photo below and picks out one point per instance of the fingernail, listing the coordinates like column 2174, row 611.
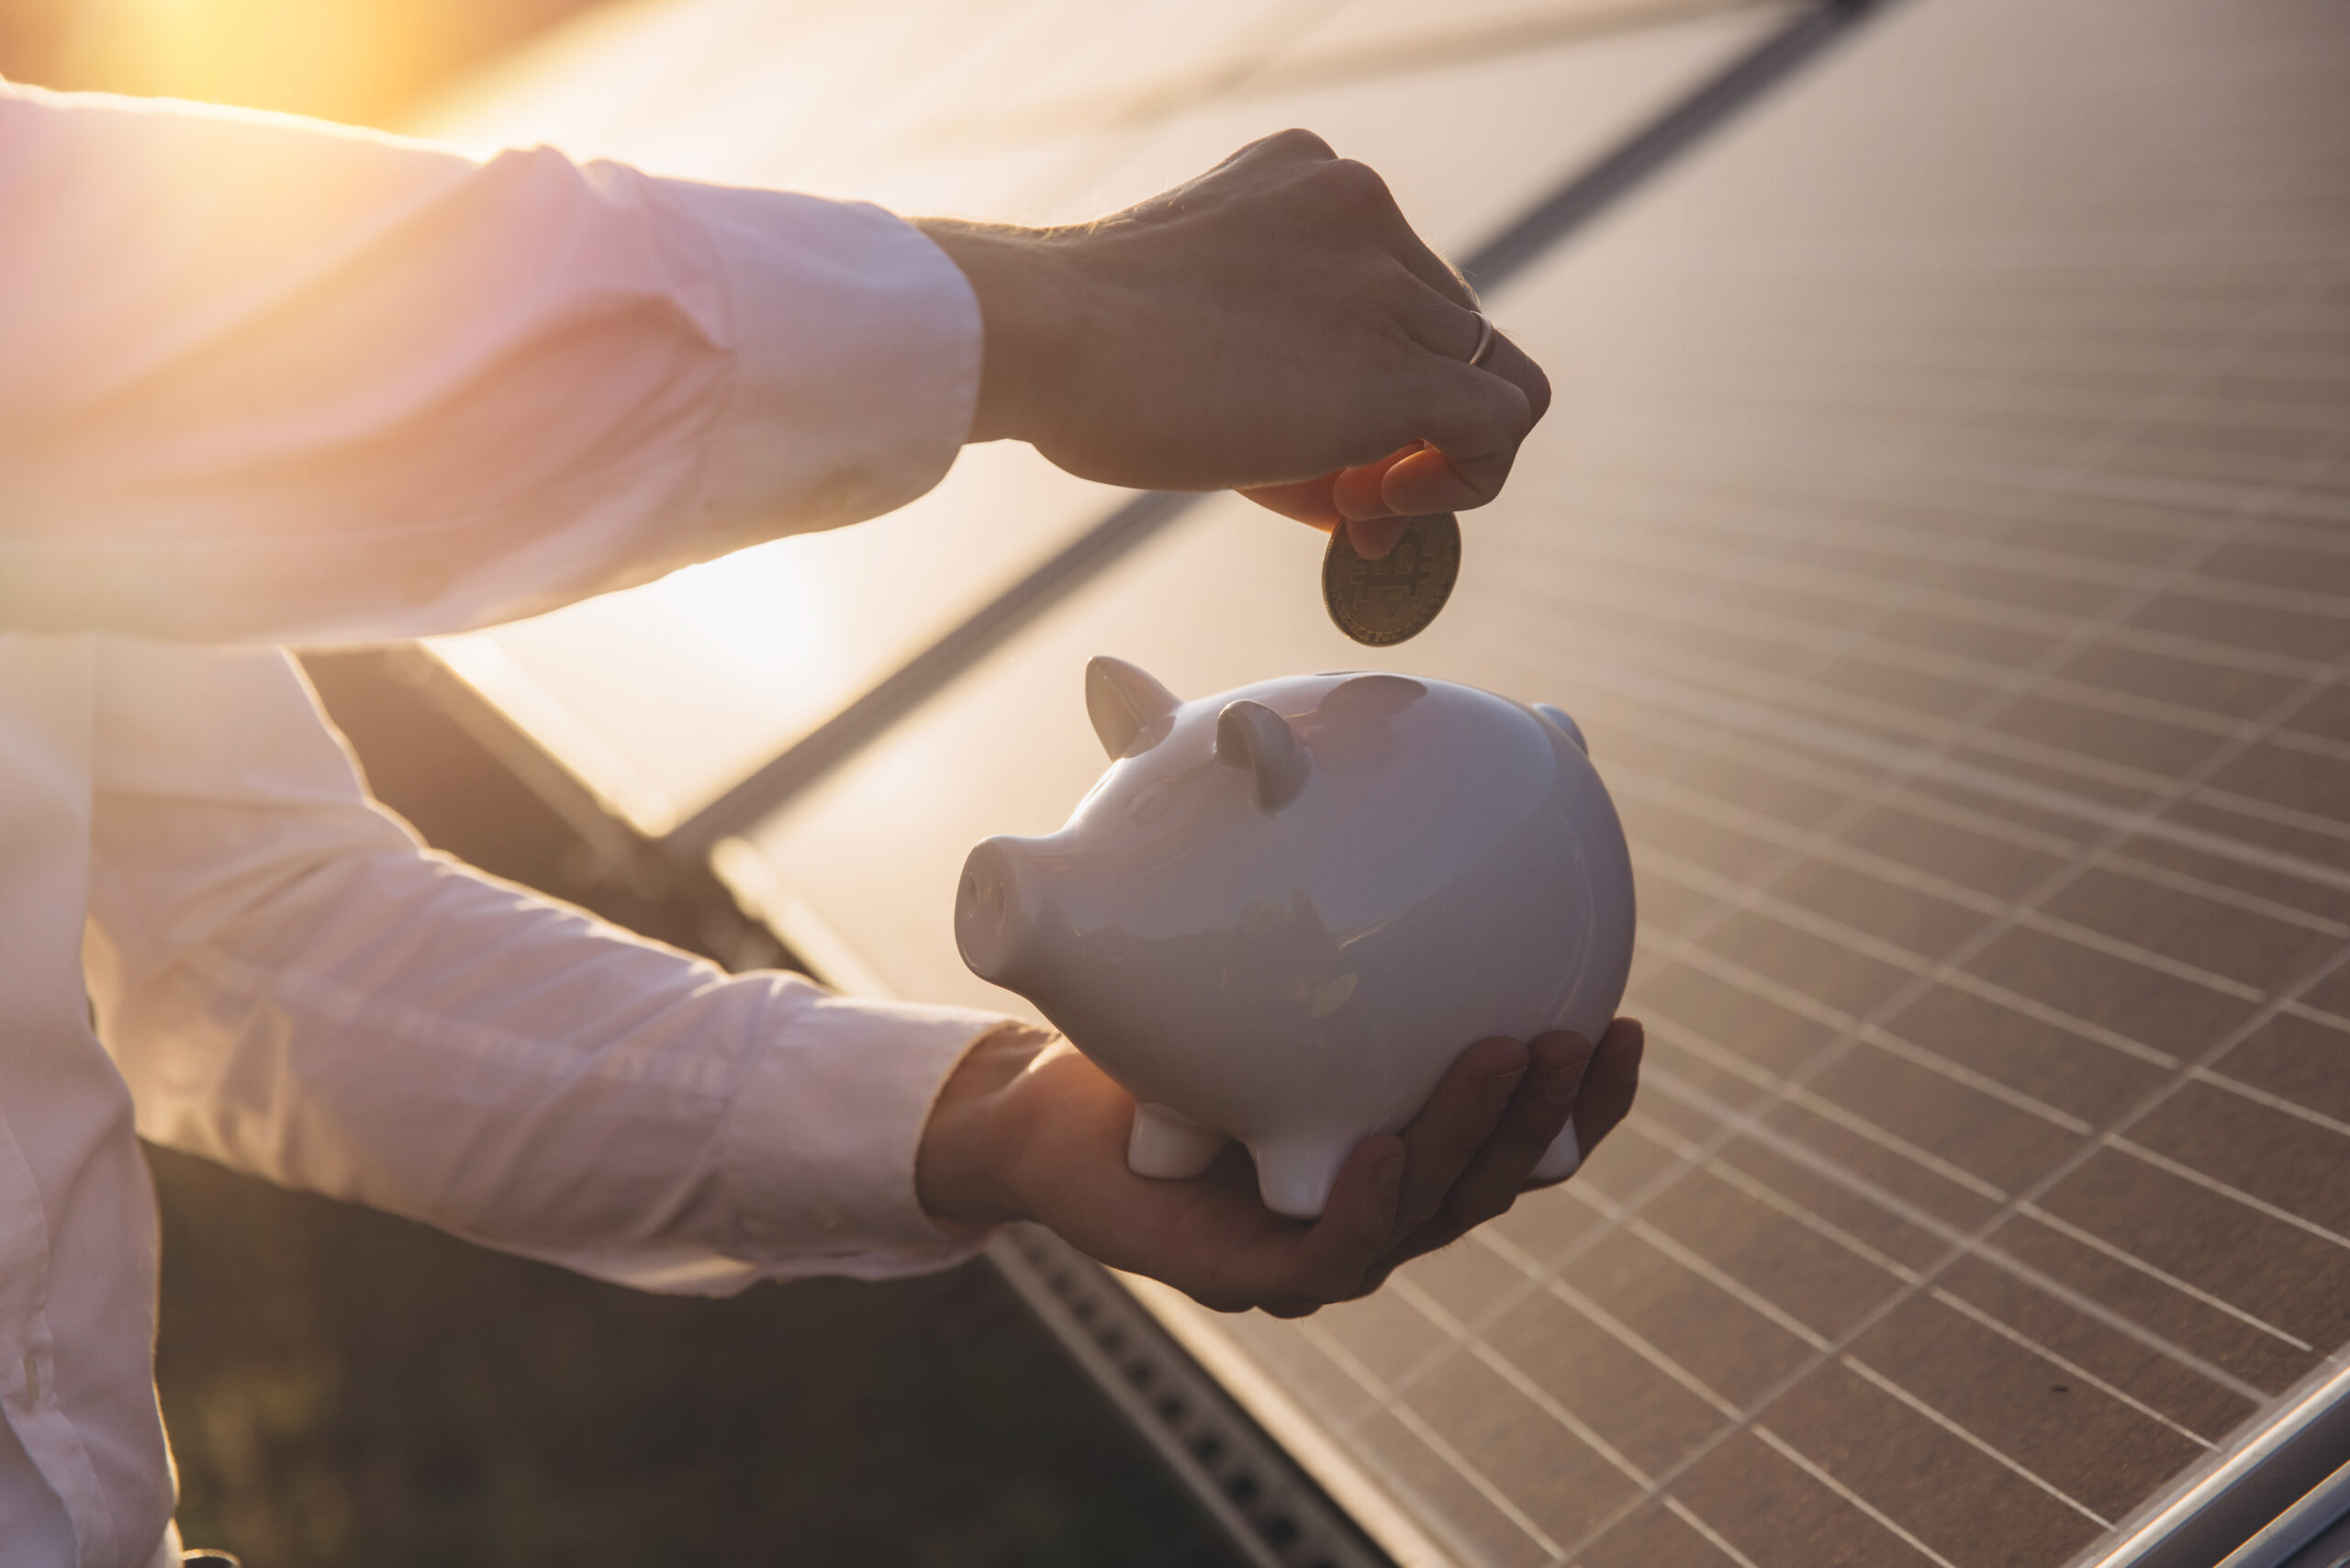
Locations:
column 1559, row 1085
column 1498, row 1090
column 1391, row 1176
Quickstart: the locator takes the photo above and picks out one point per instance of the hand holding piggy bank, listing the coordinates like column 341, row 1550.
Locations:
column 1284, row 911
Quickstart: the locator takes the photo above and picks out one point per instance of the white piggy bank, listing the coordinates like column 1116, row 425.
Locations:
column 1284, row 911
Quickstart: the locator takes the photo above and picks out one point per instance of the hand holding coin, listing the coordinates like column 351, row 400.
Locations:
column 1383, row 602
column 1389, row 599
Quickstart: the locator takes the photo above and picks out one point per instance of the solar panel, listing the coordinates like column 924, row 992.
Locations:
column 1939, row 537
column 663, row 698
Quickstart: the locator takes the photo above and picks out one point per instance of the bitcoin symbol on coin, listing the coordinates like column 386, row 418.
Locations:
column 1392, row 599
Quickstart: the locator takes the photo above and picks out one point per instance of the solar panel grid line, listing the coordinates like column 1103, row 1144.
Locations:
column 2233, row 1193
column 1635, row 436
column 1652, row 1487
column 1548, row 1279
column 1389, row 1404
column 1895, row 873
column 1897, row 653
column 1892, row 652
column 1712, row 1537
column 2263, row 596
column 1796, row 1457
column 2313, row 746
column 1886, row 1040
column 2221, row 894
column 2300, row 1009
column 1607, row 1322
column 1802, row 694
column 1604, row 1525
column 2191, row 494
column 1924, row 1409
column 2129, row 1259
column 1893, row 1143
column 1758, row 755
column 2269, row 812
column 1729, row 714
column 1462, row 1335
column 1682, row 1374
column 1745, row 893
column 1763, row 986
column 2007, row 1461
column 2273, row 1102
column 1929, row 972
column 1895, row 715
column 1637, row 784
column 1962, row 1243
column 2130, row 952
column 1772, row 1198
column 2071, row 1368
column 1985, row 612
column 1629, row 1220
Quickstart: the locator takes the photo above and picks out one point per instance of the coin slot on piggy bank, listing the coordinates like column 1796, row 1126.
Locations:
column 1284, row 910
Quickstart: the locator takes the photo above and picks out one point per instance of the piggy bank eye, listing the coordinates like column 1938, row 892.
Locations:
column 1149, row 805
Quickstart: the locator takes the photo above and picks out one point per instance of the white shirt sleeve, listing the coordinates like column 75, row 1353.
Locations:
column 266, row 379
column 293, row 986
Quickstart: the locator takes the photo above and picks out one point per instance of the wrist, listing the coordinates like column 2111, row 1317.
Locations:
column 1027, row 321
column 965, row 1169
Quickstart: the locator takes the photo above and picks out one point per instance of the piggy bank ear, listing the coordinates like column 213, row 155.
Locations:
column 1559, row 717
column 1123, row 702
column 1251, row 736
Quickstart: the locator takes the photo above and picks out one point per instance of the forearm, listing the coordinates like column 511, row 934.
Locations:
column 263, row 379
column 291, row 985
column 395, row 1031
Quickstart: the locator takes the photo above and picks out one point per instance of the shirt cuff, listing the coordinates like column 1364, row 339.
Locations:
column 857, row 346
column 820, row 1143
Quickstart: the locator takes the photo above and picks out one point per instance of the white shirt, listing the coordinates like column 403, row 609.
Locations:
column 258, row 379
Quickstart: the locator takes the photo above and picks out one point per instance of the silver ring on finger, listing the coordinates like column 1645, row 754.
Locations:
column 1486, row 335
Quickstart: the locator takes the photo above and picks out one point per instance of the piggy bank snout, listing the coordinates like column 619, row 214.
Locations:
column 994, row 923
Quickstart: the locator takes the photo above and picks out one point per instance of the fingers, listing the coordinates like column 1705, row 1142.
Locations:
column 1608, row 1085
column 1308, row 501
column 1469, row 417
column 1355, row 491
column 1355, row 194
column 1469, row 1104
column 1372, row 527
column 1556, row 1067
column 1329, row 1259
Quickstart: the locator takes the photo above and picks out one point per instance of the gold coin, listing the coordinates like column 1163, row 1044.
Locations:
column 1393, row 598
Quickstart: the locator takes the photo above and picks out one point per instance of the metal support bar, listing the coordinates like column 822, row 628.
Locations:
column 1518, row 245
column 2246, row 1487
column 1272, row 1510
column 2280, row 1543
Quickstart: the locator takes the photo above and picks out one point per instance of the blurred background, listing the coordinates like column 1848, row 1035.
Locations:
column 360, row 62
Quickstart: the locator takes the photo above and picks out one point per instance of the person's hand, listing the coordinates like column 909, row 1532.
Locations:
column 1272, row 327
column 1028, row 1128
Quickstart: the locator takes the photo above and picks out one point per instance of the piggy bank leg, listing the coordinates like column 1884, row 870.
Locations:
column 1169, row 1145
column 1559, row 1161
column 1295, row 1179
